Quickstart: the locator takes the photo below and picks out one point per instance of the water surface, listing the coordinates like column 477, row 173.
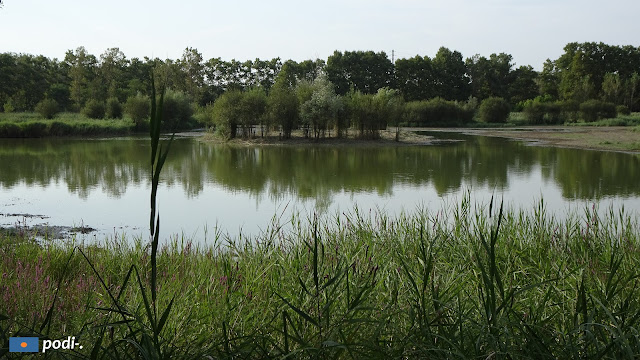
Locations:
column 104, row 183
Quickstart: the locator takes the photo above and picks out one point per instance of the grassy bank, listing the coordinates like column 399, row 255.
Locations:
column 453, row 283
column 31, row 125
column 621, row 120
column 520, row 119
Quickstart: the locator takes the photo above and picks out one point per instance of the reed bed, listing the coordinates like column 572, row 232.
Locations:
column 30, row 125
column 465, row 281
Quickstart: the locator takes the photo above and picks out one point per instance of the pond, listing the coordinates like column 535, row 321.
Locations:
column 104, row 183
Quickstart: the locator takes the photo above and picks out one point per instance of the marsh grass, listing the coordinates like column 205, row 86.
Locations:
column 29, row 125
column 467, row 281
column 632, row 119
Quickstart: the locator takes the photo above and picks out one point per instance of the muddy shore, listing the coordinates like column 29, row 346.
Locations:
column 612, row 138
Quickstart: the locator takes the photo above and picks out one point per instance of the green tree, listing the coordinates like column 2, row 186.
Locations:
column 362, row 112
column 414, row 78
column 7, row 79
column 576, row 83
column 370, row 113
column 591, row 62
column 321, row 111
column 451, row 81
column 612, row 88
column 136, row 77
column 490, row 77
column 307, row 69
column 391, row 105
column 225, row 113
column 112, row 66
column 252, row 109
column 177, row 110
column 24, row 80
column 192, row 69
column 60, row 93
column 523, row 84
column 282, row 103
column 548, row 81
column 82, row 72
column 263, row 73
column 364, row 71
column 631, row 90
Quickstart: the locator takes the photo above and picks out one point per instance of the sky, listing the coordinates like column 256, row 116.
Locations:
column 530, row 30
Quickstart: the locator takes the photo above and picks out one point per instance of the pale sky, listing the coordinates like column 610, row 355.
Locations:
column 530, row 30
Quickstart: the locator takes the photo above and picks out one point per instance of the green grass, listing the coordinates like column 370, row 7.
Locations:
column 519, row 119
column 27, row 125
column 621, row 120
column 468, row 281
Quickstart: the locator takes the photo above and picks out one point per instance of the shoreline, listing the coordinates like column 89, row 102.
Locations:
column 606, row 138
column 408, row 137
column 610, row 138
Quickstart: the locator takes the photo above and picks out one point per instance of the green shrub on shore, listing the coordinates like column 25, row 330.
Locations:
column 593, row 110
column 436, row 112
column 47, row 108
column 94, row 109
column 544, row 111
column 113, row 109
column 454, row 283
column 623, row 110
column 494, row 110
column 137, row 107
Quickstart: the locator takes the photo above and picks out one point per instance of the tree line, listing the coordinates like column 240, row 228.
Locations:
column 326, row 92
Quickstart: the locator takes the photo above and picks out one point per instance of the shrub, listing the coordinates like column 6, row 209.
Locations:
column 283, row 108
column 594, row 110
column 623, row 110
column 494, row 110
column 571, row 110
column 94, row 109
column 8, row 107
column 114, row 109
column 554, row 113
column 177, row 110
column 225, row 114
column 534, row 112
column 9, row 130
column 542, row 111
column 138, row 107
column 444, row 112
column 47, row 108
column 60, row 128
column 436, row 112
column 34, row 129
column 203, row 115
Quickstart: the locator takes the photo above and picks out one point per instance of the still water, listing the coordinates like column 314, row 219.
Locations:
column 104, row 183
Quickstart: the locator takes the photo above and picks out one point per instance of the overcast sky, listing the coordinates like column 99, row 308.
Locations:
column 530, row 30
